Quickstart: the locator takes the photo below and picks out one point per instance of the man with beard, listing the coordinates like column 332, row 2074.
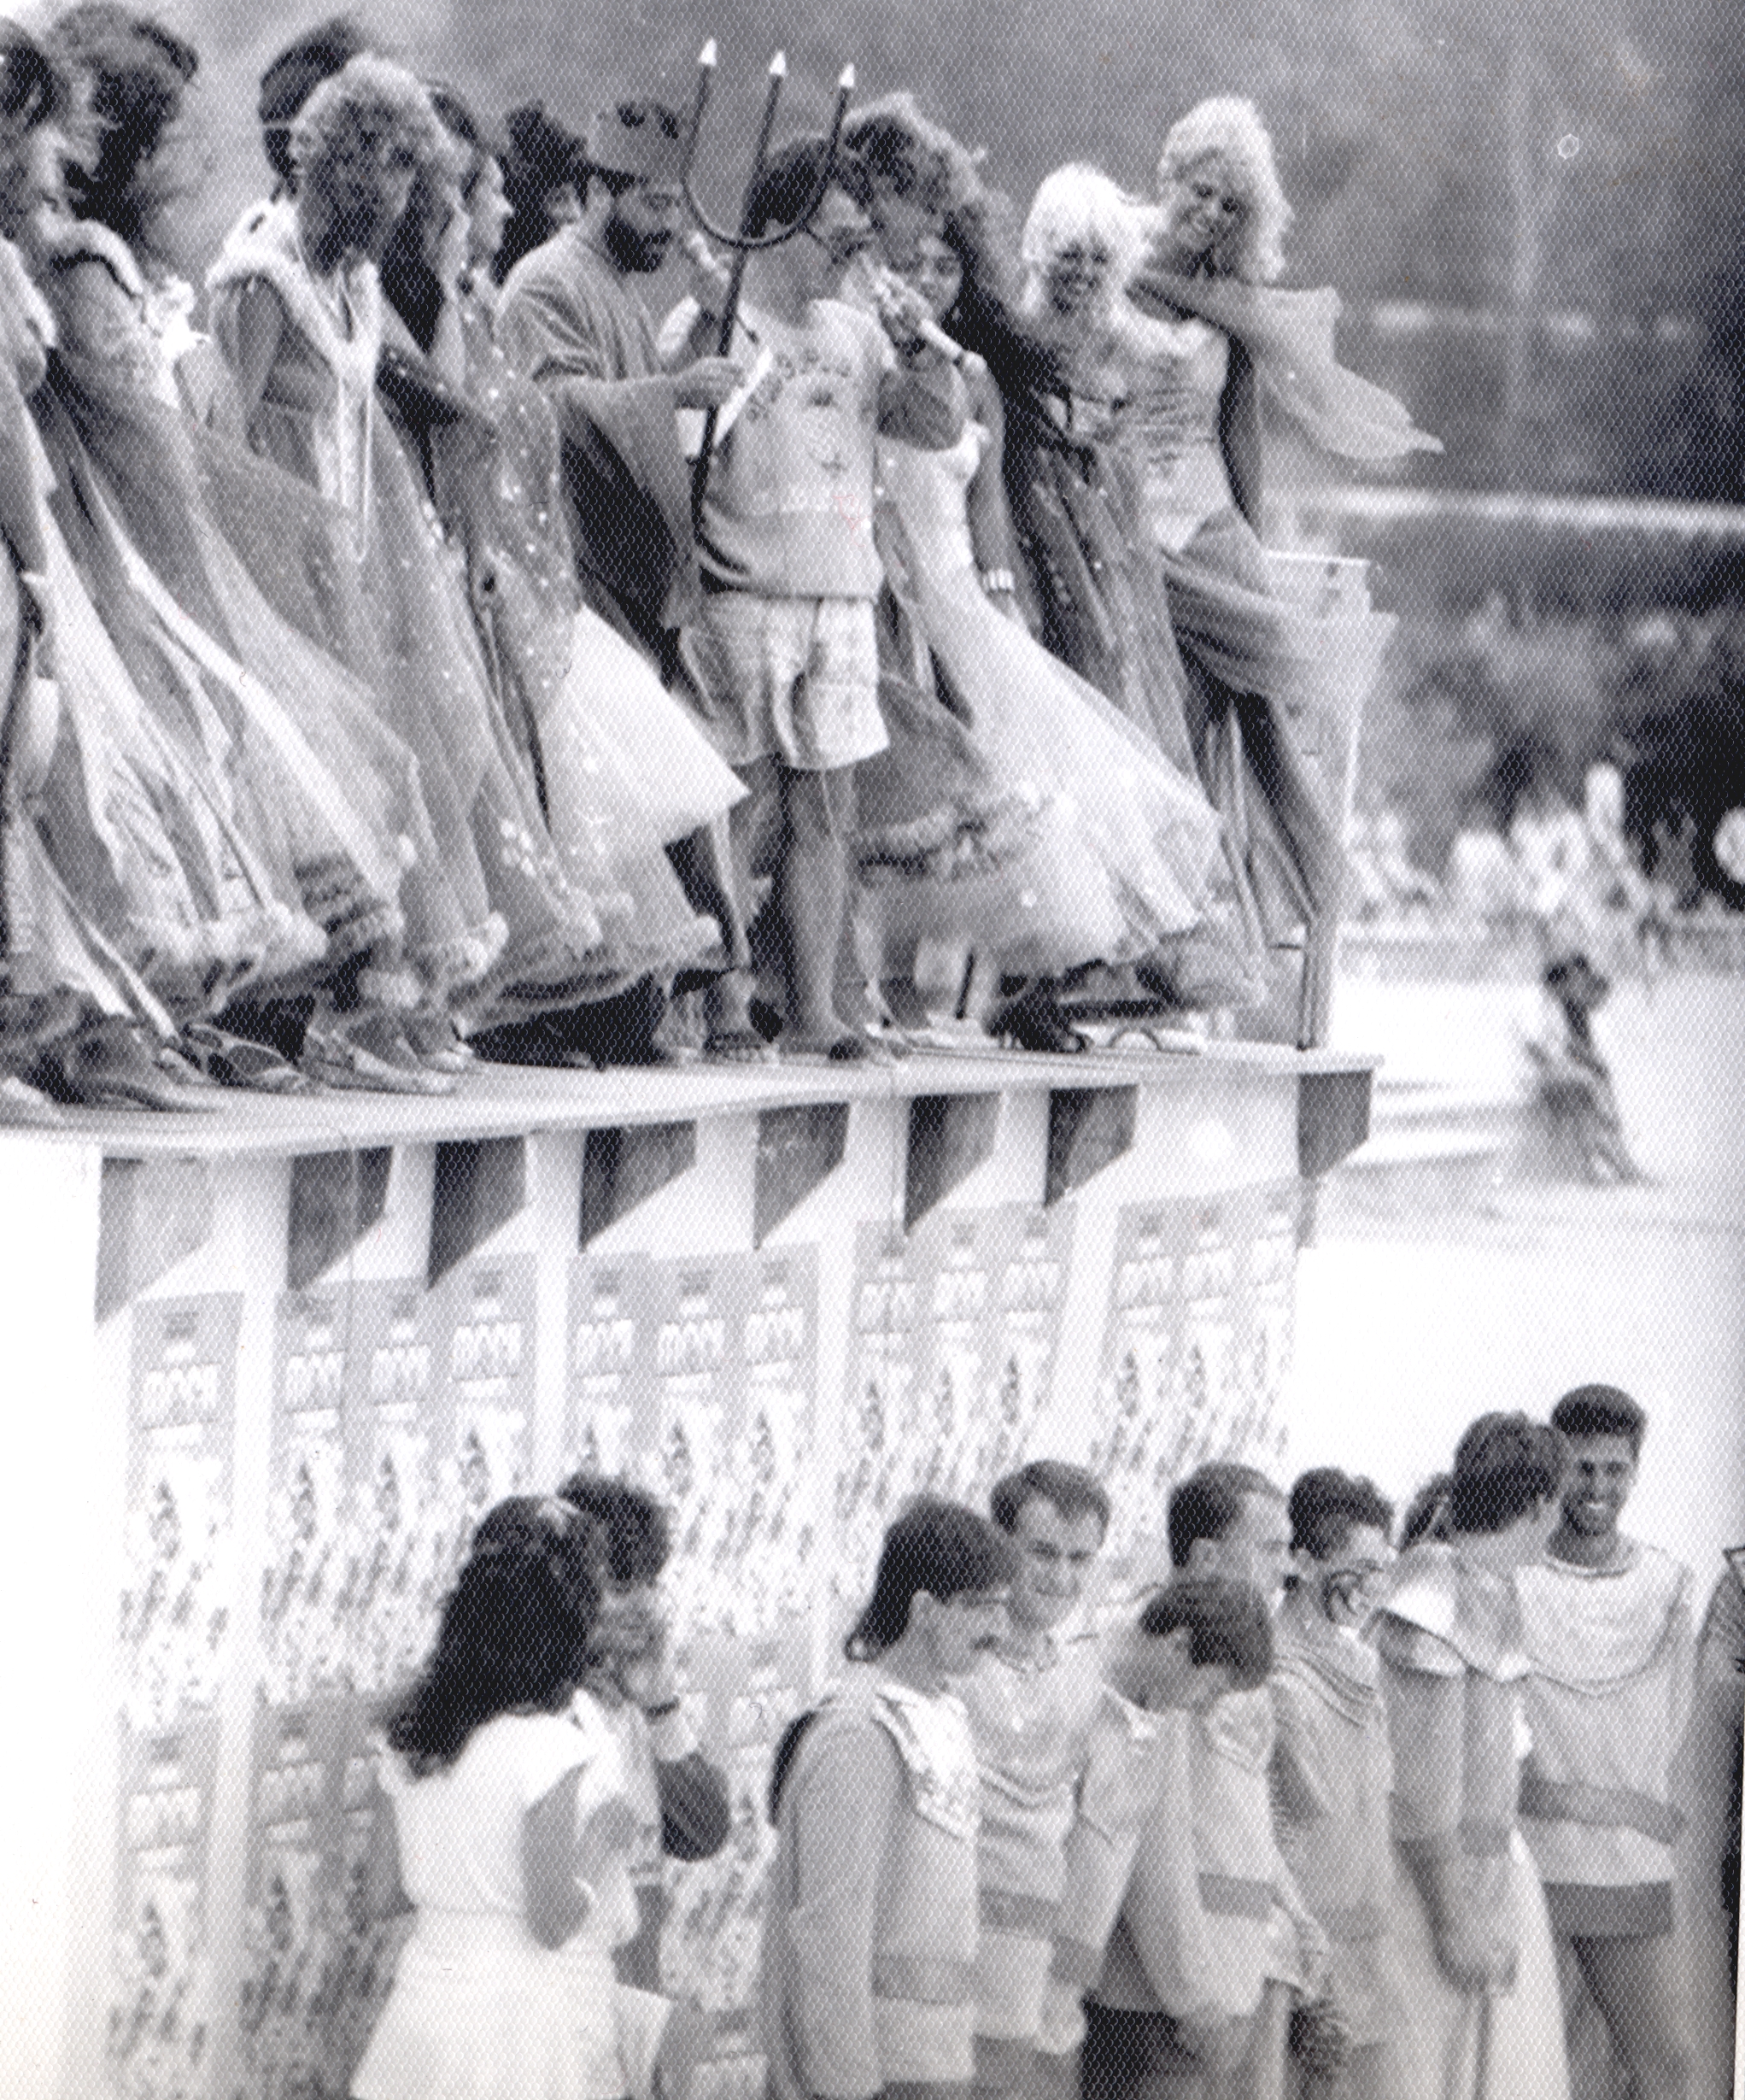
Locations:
column 570, row 317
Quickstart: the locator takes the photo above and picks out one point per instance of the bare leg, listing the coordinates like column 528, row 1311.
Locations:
column 811, row 883
column 1638, row 1985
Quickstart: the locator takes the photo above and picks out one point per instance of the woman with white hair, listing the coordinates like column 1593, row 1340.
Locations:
column 1200, row 341
column 1076, row 515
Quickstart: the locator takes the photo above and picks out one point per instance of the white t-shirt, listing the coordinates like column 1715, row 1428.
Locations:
column 459, row 1829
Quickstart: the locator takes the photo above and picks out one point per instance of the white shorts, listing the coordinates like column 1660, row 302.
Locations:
column 792, row 678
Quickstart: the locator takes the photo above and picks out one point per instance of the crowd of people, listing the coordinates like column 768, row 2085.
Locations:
column 393, row 687
column 1317, row 1816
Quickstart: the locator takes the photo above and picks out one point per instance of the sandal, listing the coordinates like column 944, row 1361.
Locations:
column 367, row 1054
column 850, row 1047
column 235, row 1061
column 736, row 1045
column 114, row 1064
column 437, row 1043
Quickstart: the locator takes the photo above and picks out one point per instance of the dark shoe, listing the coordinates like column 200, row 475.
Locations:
column 1034, row 1021
column 114, row 1064
column 234, row 1061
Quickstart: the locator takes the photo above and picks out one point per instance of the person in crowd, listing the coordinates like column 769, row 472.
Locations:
column 1606, row 1624
column 77, row 1020
column 289, row 80
column 320, row 790
column 1332, row 1773
column 571, row 319
column 1472, row 1943
column 1717, row 1750
column 1178, row 2007
column 1099, row 850
column 870, row 1923
column 497, row 1821
column 1229, row 1520
column 783, row 652
column 297, row 307
column 1036, row 1702
column 679, row 1799
column 1572, row 1078
column 1269, row 677
column 618, row 766
column 543, row 177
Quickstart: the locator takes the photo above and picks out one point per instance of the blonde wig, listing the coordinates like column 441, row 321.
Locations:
column 1230, row 127
column 1078, row 207
column 374, row 101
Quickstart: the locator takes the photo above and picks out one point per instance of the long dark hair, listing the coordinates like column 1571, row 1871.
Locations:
column 514, row 1634
column 31, row 89
column 939, row 1547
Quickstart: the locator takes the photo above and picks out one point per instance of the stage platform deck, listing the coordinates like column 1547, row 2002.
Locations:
column 497, row 1100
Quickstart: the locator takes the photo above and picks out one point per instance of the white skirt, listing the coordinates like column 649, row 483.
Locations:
column 479, row 2010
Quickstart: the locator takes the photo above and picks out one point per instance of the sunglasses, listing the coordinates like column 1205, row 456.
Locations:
column 845, row 246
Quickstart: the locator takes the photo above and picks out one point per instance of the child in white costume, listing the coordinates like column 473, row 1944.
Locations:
column 501, row 1822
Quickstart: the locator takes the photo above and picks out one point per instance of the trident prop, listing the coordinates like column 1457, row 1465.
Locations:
column 745, row 242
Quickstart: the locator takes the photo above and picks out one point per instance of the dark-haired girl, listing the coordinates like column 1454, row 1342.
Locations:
column 871, row 1932
column 1480, row 2012
column 499, row 1821
column 1084, row 844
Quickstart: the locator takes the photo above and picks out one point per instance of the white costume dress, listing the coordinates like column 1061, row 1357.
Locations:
column 479, row 2009
column 1110, row 847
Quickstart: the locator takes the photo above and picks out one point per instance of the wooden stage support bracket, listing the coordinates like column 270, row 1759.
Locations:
column 336, row 1197
column 480, row 1185
column 1332, row 1118
column 151, row 1214
column 799, row 1149
column 949, row 1135
column 1089, row 1128
column 623, row 1168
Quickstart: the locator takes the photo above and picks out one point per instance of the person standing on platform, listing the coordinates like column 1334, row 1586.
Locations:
column 1036, row 1702
column 1331, row 1772
column 679, row 1799
column 1608, row 1628
column 870, row 1921
column 785, row 653
column 1183, row 1904
column 570, row 317
column 1477, row 1977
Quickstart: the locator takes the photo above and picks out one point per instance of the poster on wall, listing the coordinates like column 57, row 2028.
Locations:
column 177, row 1619
column 881, row 1444
column 1196, row 1346
column 698, row 1379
